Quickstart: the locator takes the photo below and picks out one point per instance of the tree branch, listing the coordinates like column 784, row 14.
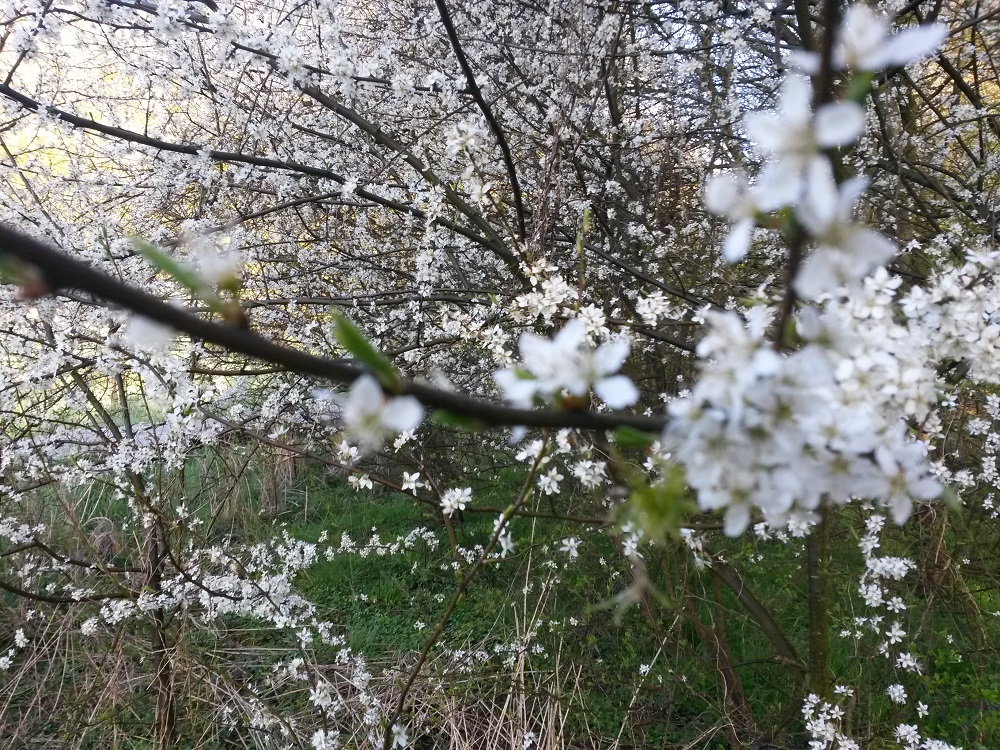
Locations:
column 234, row 156
column 484, row 107
column 59, row 271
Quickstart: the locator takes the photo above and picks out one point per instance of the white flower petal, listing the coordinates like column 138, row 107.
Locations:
column 572, row 335
column 534, row 349
column 365, row 397
column 914, row 44
column 215, row 265
column 805, row 62
column 779, row 184
column 900, row 509
column 850, row 191
column 323, row 394
column 796, row 101
column 818, row 209
column 822, row 272
column 722, row 194
column 861, row 36
column 611, row 356
column 617, row 392
column 765, row 362
column 148, row 335
column 874, row 247
column 403, row 413
column 574, row 381
column 839, row 123
column 926, row 489
column 738, row 242
column 767, row 130
column 516, row 389
column 737, row 519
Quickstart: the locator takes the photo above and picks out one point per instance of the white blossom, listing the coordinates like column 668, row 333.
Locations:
column 216, row 266
column 565, row 362
column 570, row 546
column 729, row 194
column 455, row 500
column 864, row 41
column 896, row 693
column 411, row 482
column 399, row 736
column 369, row 418
column 792, row 136
column 148, row 335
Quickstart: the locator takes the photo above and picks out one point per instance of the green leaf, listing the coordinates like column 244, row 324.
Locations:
column 351, row 338
column 11, row 270
column 951, row 499
column 788, row 223
column 452, row 419
column 630, row 437
column 860, row 86
column 180, row 273
column 661, row 508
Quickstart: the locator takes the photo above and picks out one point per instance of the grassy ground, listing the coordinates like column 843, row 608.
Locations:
column 389, row 604
column 570, row 606
column 542, row 640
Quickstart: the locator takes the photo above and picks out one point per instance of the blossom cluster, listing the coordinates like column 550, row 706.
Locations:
column 566, row 363
column 797, row 172
column 368, row 417
column 782, row 433
column 823, row 723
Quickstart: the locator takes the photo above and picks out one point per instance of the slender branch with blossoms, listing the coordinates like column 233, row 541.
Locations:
column 48, row 270
column 780, row 433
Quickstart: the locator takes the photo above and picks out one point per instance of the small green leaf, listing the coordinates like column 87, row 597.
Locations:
column 365, row 352
column 860, row 86
column 787, row 221
column 180, row 273
column 951, row 499
column 661, row 508
column 630, row 437
column 231, row 283
column 452, row 419
column 11, row 270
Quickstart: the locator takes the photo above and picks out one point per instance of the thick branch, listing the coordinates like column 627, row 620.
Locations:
column 59, row 271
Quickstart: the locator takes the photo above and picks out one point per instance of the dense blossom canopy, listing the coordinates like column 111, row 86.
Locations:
column 711, row 266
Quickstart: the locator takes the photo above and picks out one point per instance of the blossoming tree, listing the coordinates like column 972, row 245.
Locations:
column 719, row 277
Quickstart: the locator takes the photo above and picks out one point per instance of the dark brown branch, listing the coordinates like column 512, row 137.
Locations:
column 734, row 581
column 59, row 271
column 484, row 107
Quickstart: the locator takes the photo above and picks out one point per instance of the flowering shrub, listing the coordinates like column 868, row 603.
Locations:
column 677, row 269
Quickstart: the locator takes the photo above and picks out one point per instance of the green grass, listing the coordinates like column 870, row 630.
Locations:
column 378, row 600
column 375, row 601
